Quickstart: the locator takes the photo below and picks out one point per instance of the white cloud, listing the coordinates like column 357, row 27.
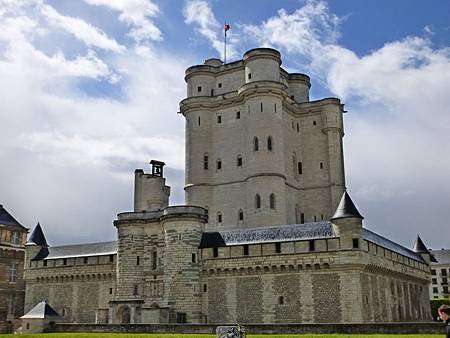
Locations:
column 136, row 13
column 199, row 13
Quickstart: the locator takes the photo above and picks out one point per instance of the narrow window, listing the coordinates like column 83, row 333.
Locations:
column 199, row 89
column 278, row 247
column 138, row 260
column 212, row 92
column 292, row 124
column 272, row 201
column 199, row 120
column 269, row 143
column 63, row 312
column 262, row 107
column 154, row 260
column 135, row 290
column 219, row 217
column 110, row 291
column 257, row 201
column 28, row 326
column 219, row 164
column 355, row 243
column 238, row 115
column 321, row 216
column 239, row 161
column 246, row 250
column 255, row 144
column 65, row 261
column 300, row 168
column 111, row 258
column 205, row 288
column 205, row 161
column 312, row 245
column 281, row 300
column 194, row 258
column 315, row 218
column 219, row 85
column 302, row 218
column 85, row 260
column 45, row 263
column 215, row 252
column 298, row 128
column 275, row 109
column 249, row 76
column 241, row 215
column 321, row 165
column 314, row 123
column 13, row 272
column 219, row 119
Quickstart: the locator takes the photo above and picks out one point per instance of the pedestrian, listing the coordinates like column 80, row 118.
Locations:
column 444, row 314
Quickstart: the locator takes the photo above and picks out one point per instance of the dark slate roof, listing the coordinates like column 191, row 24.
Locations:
column 7, row 219
column 442, row 256
column 346, row 208
column 78, row 250
column 419, row 247
column 284, row 233
column 37, row 237
column 41, row 310
column 293, row 232
column 388, row 244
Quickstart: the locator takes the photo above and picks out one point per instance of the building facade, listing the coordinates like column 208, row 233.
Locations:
column 268, row 233
column 440, row 274
column 13, row 237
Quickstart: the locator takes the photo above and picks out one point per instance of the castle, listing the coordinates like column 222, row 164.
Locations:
column 268, row 233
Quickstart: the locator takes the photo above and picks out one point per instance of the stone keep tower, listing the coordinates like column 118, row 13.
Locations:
column 258, row 152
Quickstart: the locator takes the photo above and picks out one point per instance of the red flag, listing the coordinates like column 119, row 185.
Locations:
column 226, row 27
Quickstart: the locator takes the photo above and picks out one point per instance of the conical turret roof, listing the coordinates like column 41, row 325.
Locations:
column 37, row 237
column 346, row 208
column 7, row 219
column 41, row 310
column 419, row 246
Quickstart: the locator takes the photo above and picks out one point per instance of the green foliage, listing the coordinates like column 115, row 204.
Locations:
column 435, row 303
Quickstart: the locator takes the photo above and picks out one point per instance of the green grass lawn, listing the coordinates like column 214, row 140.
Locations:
column 121, row 335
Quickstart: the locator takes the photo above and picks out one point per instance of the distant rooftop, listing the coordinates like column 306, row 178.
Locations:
column 78, row 250
column 442, row 256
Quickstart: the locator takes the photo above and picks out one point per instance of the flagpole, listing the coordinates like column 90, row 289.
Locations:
column 225, row 45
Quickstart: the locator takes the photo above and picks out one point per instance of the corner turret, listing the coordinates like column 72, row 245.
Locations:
column 420, row 248
column 35, row 244
column 348, row 223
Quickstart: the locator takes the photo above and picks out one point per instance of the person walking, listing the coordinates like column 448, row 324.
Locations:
column 444, row 314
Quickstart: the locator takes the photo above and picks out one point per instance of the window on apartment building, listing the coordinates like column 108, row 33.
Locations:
column 272, row 201
column 239, row 161
column 269, row 143
column 433, row 280
column 300, row 168
column 238, row 115
column 433, row 272
column 246, row 250
column 355, row 243
column 444, row 272
column 257, row 201
column 219, row 164
column 154, row 260
column 241, row 215
column 215, row 252
column 255, row 144
column 13, row 272
column 444, row 281
column 199, row 89
column 312, row 245
column 278, row 247
column 445, row 289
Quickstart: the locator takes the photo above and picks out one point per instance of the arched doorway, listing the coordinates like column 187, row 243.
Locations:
column 124, row 314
